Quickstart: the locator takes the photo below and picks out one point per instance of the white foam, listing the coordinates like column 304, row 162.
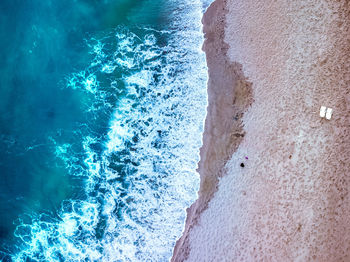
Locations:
column 108, row 69
column 160, row 117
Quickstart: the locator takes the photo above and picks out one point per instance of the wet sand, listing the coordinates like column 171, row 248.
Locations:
column 229, row 94
column 274, row 63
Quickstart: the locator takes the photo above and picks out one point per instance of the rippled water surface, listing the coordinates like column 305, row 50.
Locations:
column 101, row 114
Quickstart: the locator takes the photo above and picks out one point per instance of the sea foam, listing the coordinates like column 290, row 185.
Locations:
column 138, row 185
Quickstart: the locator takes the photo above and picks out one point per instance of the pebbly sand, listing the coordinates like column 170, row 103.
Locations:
column 272, row 64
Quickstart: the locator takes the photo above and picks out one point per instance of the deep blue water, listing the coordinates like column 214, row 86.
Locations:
column 101, row 111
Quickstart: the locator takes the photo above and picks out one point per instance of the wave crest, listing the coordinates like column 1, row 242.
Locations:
column 140, row 174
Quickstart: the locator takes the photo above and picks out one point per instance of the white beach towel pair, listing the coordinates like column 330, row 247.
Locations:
column 326, row 112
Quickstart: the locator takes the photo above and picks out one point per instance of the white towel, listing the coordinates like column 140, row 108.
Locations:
column 329, row 113
column 323, row 111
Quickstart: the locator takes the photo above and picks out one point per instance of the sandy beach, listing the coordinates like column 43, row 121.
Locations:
column 274, row 175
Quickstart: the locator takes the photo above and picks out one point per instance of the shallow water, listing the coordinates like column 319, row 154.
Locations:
column 102, row 105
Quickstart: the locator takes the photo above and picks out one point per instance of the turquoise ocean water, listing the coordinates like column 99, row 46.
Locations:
column 101, row 113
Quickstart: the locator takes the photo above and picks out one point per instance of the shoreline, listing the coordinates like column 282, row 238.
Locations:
column 229, row 95
column 291, row 200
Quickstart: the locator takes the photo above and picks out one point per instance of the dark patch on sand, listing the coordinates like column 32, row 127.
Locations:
column 229, row 95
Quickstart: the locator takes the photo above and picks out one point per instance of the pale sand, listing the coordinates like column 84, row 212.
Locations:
column 229, row 95
column 290, row 202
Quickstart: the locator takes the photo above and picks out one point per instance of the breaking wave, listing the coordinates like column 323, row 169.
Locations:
column 139, row 171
